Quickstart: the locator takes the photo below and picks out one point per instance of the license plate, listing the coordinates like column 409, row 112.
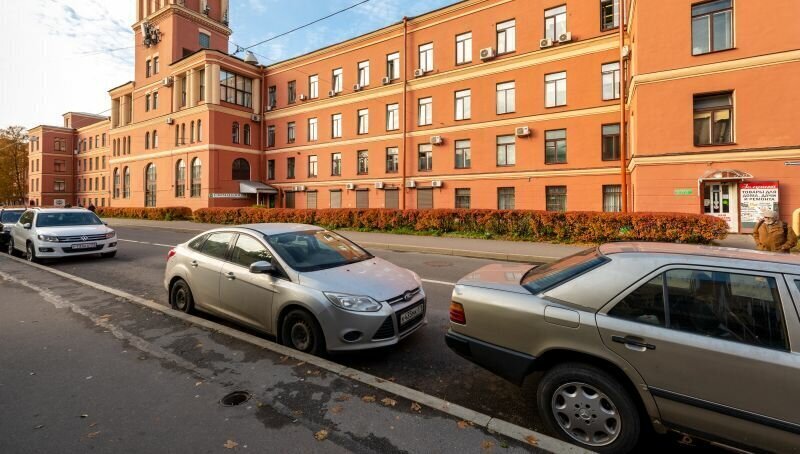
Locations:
column 411, row 314
column 84, row 246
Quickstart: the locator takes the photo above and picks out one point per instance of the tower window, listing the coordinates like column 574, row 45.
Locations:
column 205, row 41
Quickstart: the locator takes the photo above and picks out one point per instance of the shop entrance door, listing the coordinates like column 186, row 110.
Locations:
column 722, row 200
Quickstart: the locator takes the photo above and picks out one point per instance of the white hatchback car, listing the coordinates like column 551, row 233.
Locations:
column 43, row 233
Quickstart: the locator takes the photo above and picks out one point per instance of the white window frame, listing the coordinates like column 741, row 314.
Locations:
column 392, row 117
column 464, row 48
column 393, row 60
column 609, row 75
column 313, row 86
column 337, row 84
column 426, row 57
column 425, row 111
column 558, row 18
column 336, row 126
column 508, row 144
column 463, row 105
column 363, row 73
column 505, row 99
column 363, row 121
column 507, row 36
column 313, row 166
column 555, row 83
column 313, row 129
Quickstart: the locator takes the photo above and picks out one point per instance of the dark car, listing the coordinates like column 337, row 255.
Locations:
column 8, row 217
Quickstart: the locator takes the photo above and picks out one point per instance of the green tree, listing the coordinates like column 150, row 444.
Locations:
column 13, row 164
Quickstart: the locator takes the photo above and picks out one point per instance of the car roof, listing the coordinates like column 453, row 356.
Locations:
column 699, row 250
column 13, row 209
column 278, row 228
column 59, row 210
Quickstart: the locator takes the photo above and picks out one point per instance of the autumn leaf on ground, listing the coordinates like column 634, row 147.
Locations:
column 389, row 402
column 312, row 372
column 93, row 434
column 342, row 398
column 300, row 363
column 297, row 413
column 532, row 440
column 464, row 424
column 336, row 409
column 284, row 358
column 230, row 444
column 321, row 435
column 487, row 445
column 416, row 407
column 368, row 398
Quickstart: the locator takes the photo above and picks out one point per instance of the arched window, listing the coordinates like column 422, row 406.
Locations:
column 115, row 193
column 247, row 134
column 180, row 178
column 241, row 169
column 147, row 140
column 191, row 133
column 196, row 177
column 183, row 133
column 235, row 132
column 126, row 183
column 150, row 186
column 199, row 130
column 155, row 139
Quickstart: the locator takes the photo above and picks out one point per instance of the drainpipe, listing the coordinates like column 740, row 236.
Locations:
column 405, row 113
column 623, row 152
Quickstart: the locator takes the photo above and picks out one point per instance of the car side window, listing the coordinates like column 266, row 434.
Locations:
column 217, row 245
column 26, row 218
column 249, row 250
column 643, row 305
column 197, row 243
column 730, row 306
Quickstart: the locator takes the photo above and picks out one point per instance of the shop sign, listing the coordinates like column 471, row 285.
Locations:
column 682, row 191
column 59, row 203
column 757, row 197
column 234, row 195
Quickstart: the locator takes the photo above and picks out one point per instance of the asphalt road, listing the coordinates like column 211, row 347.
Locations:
column 421, row 361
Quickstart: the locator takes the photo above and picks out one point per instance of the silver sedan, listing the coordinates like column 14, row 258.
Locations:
column 312, row 289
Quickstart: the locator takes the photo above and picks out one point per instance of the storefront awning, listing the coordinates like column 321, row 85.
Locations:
column 725, row 174
column 256, row 187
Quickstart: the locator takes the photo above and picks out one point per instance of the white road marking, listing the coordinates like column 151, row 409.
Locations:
column 431, row 281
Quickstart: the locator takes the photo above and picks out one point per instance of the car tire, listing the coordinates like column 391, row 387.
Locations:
column 301, row 331
column 108, row 255
column 574, row 395
column 30, row 253
column 180, row 297
column 10, row 248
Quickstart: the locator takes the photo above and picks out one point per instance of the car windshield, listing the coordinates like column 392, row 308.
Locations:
column 67, row 218
column 10, row 217
column 315, row 250
column 546, row 277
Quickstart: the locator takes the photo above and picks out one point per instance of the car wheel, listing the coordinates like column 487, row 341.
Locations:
column 587, row 406
column 11, row 250
column 108, row 255
column 301, row 331
column 180, row 297
column 30, row 253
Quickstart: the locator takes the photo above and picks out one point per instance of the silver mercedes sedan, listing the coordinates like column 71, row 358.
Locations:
column 311, row 288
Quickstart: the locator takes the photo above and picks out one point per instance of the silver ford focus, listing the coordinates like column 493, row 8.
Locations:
column 311, row 288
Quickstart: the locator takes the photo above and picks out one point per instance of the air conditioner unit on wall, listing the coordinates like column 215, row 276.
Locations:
column 386, row 80
column 357, row 87
column 332, row 93
column 349, row 186
column 419, row 72
column 411, row 184
column 298, row 188
column 379, row 185
column 565, row 37
column 522, row 131
column 170, row 121
column 436, row 140
column 256, row 118
column 167, row 81
column 303, row 97
column 487, row 53
column 543, row 43
column 436, row 183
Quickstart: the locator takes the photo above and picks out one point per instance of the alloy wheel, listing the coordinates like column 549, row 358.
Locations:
column 30, row 255
column 586, row 414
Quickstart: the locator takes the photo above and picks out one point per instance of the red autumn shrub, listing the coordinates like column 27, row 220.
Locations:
column 153, row 214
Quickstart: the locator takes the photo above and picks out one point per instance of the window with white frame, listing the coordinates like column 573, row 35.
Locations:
column 337, row 80
column 313, row 86
column 312, row 166
column 555, row 89
column 392, row 117
column 393, row 66
column 555, row 22
column 363, row 162
column 425, row 157
column 363, row 121
column 336, row 126
column 426, row 57
column 506, row 36
column 425, row 112
column 392, row 159
column 312, row 129
column 463, row 154
column 506, row 97
column 363, row 73
column 336, row 164
column 610, row 76
column 290, row 132
column 506, row 151
column 464, row 48
column 463, row 104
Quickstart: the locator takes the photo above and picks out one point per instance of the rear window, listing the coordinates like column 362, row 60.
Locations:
column 554, row 274
column 10, row 217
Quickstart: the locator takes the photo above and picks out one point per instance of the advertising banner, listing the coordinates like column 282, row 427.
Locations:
column 757, row 197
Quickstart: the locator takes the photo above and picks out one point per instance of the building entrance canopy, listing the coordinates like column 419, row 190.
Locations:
column 256, row 187
column 725, row 174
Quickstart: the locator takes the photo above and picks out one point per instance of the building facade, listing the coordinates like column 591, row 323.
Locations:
column 507, row 104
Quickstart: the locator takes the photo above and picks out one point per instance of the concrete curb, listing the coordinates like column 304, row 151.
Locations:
column 504, row 428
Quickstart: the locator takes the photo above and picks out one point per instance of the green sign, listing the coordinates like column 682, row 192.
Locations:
column 682, row 191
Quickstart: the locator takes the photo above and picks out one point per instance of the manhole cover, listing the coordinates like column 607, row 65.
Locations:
column 235, row 398
column 439, row 264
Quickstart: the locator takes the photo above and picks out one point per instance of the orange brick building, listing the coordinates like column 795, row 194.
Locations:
column 511, row 104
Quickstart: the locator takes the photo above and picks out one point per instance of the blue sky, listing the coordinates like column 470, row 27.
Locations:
column 64, row 55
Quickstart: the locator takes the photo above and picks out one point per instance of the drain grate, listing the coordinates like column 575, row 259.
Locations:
column 235, row 398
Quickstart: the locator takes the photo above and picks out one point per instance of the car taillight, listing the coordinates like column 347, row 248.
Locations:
column 457, row 313
column 170, row 254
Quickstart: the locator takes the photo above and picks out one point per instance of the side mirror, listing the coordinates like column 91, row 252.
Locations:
column 105, row 223
column 26, row 226
column 261, row 268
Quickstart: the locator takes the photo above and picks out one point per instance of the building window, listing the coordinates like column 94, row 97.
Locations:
column 312, row 166
column 271, row 135
column 247, row 135
column 425, row 112
column 424, row 198
column 336, row 198
column 556, row 198
column 147, row 102
column 610, row 142
column 235, row 89
column 59, row 186
column 311, row 200
column 191, row 132
column 240, row 169
column 291, row 90
column 505, row 198
column 272, row 96
column 363, row 121
column 150, row 186
column 271, row 169
column 196, row 177
column 183, row 84
column 392, row 117
column 290, row 132
column 609, row 14
column 205, row 41
column 199, row 130
column 337, row 80
column 506, row 98
column 156, row 68
column 425, row 157
column 180, row 178
column 363, row 162
column 612, row 198
column 506, row 36
column 555, row 89
column 336, row 164
column 313, row 86
column 393, row 66
column 336, row 126
column 463, row 154
column 363, row 73
column 712, row 26
column 148, row 68
column 146, row 142
column 126, row 183
column 115, row 190
column 426, row 57
column 235, row 132
column 103, row 137
column 312, row 129
column 392, row 159
column 59, row 165
column 464, row 48
column 463, row 104
column 202, row 77
column 555, row 22
column 713, row 116
column 154, row 139
column 463, row 197
column 506, row 151
column 290, row 168
column 610, row 77
column 555, row 146
column 155, row 100
column 61, row 144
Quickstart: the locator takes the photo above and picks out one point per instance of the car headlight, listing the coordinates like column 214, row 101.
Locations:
column 353, row 302
column 111, row 234
column 48, row 238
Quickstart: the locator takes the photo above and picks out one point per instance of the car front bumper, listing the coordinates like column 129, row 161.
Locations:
column 45, row 249
column 512, row 365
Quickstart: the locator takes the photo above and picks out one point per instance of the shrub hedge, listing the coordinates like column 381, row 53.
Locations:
column 570, row 227
column 153, row 214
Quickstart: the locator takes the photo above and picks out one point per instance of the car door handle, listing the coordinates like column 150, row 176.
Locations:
column 230, row 276
column 633, row 343
column 194, row 264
